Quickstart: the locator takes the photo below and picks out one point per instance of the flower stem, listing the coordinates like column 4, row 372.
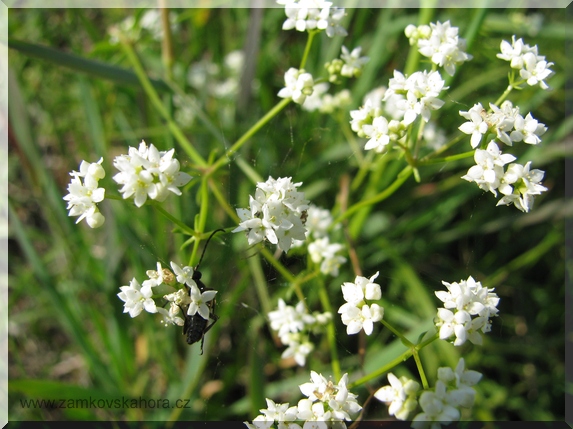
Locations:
column 172, row 218
column 157, row 103
column 503, row 96
column 420, row 369
column 330, row 330
column 226, row 158
column 307, row 49
column 402, row 177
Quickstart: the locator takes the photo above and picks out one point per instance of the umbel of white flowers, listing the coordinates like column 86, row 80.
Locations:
column 83, row 196
column 144, row 173
column 276, row 213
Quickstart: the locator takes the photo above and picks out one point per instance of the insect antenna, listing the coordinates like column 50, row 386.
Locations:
column 206, row 243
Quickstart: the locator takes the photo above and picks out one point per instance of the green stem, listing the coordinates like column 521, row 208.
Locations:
column 307, row 49
column 203, row 212
column 503, row 96
column 397, row 333
column 330, row 330
column 449, row 158
column 226, row 158
column 158, row 104
column 402, row 177
column 382, row 370
column 172, row 218
column 420, row 369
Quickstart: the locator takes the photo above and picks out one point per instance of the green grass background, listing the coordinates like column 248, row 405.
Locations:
column 68, row 335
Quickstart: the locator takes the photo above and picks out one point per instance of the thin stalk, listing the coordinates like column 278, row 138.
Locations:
column 449, row 158
column 307, row 49
column 167, row 42
column 172, row 218
column 158, row 104
column 382, row 370
column 203, row 212
column 330, row 330
column 405, row 340
column 226, row 158
column 420, row 369
column 402, row 177
column 223, row 202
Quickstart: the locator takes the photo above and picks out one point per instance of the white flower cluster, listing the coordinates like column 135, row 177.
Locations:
column 152, row 22
column 440, row 405
column 293, row 326
column 350, row 64
column 400, row 396
column 147, row 172
column 138, row 297
column 532, row 67
column 308, row 15
column 275, row 214
column 517, row 183
column 298, row 85
column 220, row 82
column 508, row 125
column 441, row 43
column 83, row 196
column 452, row 391
column 326, row 103
column 325, row 402
column 405, row 99
column 321, row 250
column 467, row 309
column 149, row 21
column 356, row 313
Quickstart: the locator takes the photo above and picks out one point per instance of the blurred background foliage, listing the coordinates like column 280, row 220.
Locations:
column 68, row 337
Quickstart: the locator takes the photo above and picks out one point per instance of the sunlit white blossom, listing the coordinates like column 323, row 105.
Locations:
column 83, row 196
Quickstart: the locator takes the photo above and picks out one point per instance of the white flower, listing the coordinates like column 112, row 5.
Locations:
column 442, row 46
column 276, row 213
column 305, row 15
column 353, row 62
column 477, row 126
column 170, row 316
column 364, row 116
column 199, row 302
column 341, row 404
column 322, row 252
column 287, row 319
column 298, row 85
column 137, row 298
column 298, row 348
column 527, row 129
column 315, row 101
column 467, row 309
column 417, row 94
column 488, row 171
column 378, row 134
column 532, row 66
column 520, row 185
column 401, row 396
column 184, row 274
column 436, row 408
column 357, row 319
column 146, row 172
column 179, row 298
column 83, row 197
column 279, row 412
column 354, row 293
column 536, row 70
column 460, row 383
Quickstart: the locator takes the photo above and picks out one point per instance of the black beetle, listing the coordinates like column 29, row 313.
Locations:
column 195, row 326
